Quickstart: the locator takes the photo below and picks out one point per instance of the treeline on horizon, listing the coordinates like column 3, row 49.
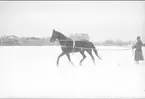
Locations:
column 13, row 40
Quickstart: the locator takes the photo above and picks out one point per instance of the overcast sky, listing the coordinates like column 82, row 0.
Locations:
column 101, row 20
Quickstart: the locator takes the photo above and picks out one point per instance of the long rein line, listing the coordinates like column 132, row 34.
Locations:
column 88, row 48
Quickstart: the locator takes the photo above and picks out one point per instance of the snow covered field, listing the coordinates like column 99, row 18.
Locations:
column 32, row 72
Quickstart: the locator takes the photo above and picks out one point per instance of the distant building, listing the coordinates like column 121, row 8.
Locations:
column 9, row 39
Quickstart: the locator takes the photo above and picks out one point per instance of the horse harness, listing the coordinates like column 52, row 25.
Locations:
column 73, row 45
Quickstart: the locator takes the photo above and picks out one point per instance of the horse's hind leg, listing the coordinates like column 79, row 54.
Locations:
column 84, row 56
column 63, row 53
column 90, row 53
column 68, row 56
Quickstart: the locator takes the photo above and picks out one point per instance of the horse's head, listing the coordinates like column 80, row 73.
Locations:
column 57, row 36
column 54, row 36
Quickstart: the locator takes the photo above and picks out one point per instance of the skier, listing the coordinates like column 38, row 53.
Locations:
column 138, row 50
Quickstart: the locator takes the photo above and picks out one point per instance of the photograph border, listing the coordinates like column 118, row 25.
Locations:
column 77, row 98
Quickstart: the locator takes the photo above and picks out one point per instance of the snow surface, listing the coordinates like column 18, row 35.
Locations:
column 32, row 72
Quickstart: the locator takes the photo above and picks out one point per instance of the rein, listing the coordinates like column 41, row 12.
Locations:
column 127, row 48
column 67, row 39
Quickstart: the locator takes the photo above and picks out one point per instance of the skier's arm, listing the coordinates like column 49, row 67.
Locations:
column 134, row 46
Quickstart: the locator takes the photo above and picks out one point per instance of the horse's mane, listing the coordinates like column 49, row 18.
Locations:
column 62, row 35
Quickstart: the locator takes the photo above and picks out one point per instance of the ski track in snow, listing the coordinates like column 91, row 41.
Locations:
column 32, row 72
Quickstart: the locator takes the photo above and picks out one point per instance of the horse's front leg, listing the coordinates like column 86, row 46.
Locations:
column 63, row 53
column 68, row 56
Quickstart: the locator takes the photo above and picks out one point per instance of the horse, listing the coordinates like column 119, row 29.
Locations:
column 70, row 46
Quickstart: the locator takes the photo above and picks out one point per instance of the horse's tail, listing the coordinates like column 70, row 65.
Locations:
column 95, row 51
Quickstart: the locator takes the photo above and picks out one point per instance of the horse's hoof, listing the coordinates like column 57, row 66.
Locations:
column 73, row 64
column 57, row 65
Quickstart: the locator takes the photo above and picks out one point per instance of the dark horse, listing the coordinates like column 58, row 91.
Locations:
column 69, row 46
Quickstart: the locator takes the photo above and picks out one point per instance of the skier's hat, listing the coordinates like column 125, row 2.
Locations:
column 138, row 37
